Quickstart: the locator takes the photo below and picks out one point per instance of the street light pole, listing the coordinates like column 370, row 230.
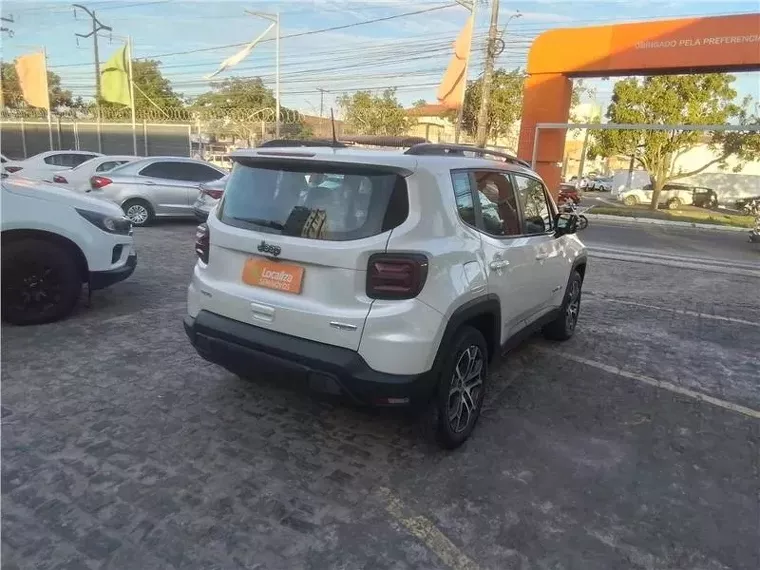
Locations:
column 276, row 19
column 277, row 78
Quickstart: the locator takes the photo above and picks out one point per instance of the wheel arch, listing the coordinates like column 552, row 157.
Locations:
column 138, row 198
column 579, row 265
column 483, row 314
column 11, row 236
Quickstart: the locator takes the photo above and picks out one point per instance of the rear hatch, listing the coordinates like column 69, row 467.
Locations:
column 291, row 240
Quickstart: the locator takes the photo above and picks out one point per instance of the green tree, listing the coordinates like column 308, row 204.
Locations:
column 366, row 113
column 705, row 99
column 503, row 110
column 242, row 106
column 419, row 103
column 11, row 90
column 234, row 95
column 505, row 107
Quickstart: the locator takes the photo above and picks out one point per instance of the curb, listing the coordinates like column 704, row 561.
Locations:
column 630, row 220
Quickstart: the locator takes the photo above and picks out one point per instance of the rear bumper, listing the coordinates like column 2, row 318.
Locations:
column 249, row 350
column 103, row 279
column 200, row 214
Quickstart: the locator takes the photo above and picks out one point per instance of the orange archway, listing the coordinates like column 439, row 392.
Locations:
column 689, row 45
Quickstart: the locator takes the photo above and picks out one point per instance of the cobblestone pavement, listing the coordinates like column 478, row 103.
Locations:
column 123, row 449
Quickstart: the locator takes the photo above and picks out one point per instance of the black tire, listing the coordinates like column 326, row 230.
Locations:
column 131, row 209
column 41, row 282
column 582, row 222
column 447, row 431
column 563, row 327
column 674, row 204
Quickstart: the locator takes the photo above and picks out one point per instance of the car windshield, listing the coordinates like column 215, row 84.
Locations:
column 335, row 204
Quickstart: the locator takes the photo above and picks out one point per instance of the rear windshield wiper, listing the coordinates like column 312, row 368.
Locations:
column 261, row 222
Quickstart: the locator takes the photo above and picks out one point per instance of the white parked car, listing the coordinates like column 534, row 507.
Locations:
column 672, row 195
column 53, row 241
column 78, row 178
column 42, row 166
column 396, row 284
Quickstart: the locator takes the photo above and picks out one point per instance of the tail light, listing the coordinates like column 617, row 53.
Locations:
column 396, row 275
column 13, row 169
column 60, row 179
column 97, row 182
column 215, row 194
column 202, row 242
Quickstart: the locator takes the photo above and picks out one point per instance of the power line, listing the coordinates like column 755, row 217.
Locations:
column 308, row 33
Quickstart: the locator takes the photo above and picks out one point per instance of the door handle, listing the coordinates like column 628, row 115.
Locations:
column 541, row 256
column 498, row 264
column 149, row 183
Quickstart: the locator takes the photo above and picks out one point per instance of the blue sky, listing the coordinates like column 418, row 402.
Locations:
column 409, row 53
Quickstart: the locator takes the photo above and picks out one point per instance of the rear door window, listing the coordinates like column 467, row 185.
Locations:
column 335, row 203
column 200, row 173
column 109, row 165
column 77, row 159
column 68, row 160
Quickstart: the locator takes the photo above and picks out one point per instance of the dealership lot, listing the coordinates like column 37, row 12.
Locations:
column 634, row 445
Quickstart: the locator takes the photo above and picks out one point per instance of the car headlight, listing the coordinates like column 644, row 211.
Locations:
column 110, row 224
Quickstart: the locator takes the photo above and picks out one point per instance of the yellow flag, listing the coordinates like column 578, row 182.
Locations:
column 114, row 79
column 451, row 89
column 32, row 77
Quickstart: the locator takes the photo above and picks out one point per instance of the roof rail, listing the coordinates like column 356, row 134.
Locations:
column 385, row 140
column 461, row 149
column 304, row 142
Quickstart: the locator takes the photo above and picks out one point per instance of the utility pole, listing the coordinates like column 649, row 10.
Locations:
column 97, row 25
column 321, row 101
column 494, row 47
column 485, row 95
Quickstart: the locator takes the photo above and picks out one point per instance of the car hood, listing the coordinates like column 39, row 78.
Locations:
column 52, row 193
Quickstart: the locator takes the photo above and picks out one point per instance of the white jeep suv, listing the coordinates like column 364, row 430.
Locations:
column 393, row 278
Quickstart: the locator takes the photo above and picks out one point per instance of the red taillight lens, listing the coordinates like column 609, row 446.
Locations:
column 60, row 179
column 97, row 182
column 202, row 242
column 13, row 169
column 396, row 276
column 215, row 194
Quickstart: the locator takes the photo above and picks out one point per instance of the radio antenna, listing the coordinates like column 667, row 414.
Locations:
column 332, row 124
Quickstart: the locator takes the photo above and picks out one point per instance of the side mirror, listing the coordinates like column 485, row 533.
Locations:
column 565, row 223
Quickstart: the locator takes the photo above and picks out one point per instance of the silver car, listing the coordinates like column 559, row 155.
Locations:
column 209, row 196
column 156, row 187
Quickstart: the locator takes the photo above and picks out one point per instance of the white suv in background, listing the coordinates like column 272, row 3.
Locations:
column 53, row 241
column 393, row 278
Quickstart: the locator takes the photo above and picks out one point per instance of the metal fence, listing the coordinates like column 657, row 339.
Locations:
column 22, row 138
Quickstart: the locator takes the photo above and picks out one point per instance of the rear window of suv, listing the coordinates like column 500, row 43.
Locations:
column 326, row 202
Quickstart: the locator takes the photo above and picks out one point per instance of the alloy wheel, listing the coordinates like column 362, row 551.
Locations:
column 33, row 287
column 465, row 391
column 573, row 305
column 137, row 214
